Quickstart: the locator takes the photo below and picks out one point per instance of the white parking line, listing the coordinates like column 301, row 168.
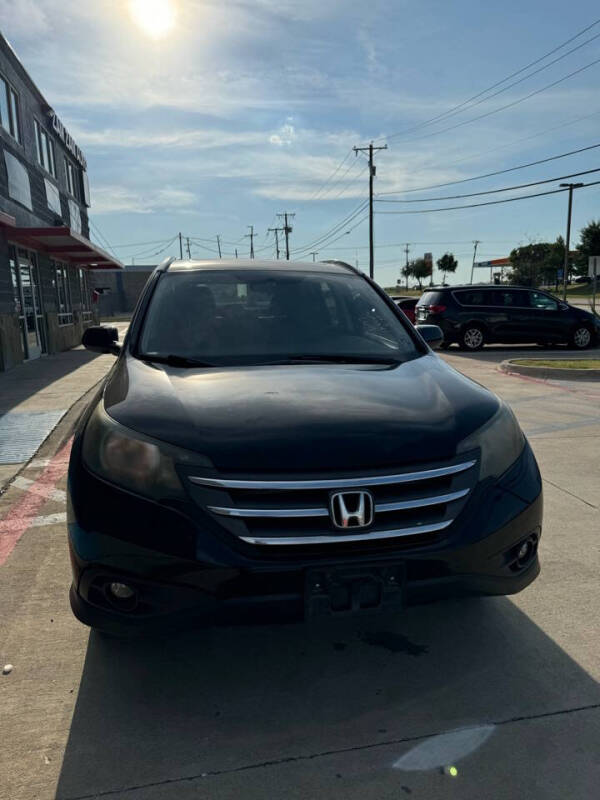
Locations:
column 25, row 483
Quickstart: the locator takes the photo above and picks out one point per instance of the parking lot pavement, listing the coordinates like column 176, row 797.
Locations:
column 505, row 690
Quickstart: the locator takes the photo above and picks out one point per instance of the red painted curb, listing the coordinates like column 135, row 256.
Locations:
column 20, row 515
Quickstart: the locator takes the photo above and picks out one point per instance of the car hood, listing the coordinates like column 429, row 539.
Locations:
column 302, row 417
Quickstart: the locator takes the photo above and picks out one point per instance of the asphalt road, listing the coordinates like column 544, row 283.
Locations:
column 503, row 690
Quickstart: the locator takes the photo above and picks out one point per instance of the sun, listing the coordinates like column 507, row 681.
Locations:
column 156, row 18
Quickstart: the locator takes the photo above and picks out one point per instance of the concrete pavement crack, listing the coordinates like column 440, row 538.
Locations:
column 323, row 754
column 566, row 491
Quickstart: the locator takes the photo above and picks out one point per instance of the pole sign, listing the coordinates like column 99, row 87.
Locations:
column 66, row 138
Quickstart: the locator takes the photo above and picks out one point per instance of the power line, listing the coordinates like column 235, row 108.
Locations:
column 102, row 237
column 508, row 105
column 491, row 191
column 340, row 181
column 332, row 231
column 401, row 244
column 147, row 254
column 333, row 174
column 138, row 244
column 487, row 203
column 493, row 86
column 491, row 174
column 341, row 236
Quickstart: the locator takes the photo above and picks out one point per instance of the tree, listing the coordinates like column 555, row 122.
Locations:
column 537, row 263
column 447, row 263
column 406, row 273
column 589, row 245
column 421, row 270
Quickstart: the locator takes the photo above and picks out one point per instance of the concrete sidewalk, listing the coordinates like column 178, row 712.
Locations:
column 36, row 395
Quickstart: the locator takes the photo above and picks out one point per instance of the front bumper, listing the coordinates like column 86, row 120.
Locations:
column 182, row 574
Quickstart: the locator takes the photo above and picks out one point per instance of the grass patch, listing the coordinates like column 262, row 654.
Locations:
column 563, row 363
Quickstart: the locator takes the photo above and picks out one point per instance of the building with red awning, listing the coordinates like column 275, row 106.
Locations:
column 46, row 299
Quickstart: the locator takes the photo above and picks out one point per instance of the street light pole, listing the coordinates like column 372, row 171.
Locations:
column 475, row 245
column 570, row 187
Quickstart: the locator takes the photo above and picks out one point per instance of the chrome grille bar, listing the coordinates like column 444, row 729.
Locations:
column 282, row 513
column 335, row 483
column 358, row 537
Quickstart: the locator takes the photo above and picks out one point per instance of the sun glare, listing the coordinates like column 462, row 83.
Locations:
column 156, row 18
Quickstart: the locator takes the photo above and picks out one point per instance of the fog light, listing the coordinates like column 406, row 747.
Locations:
column 524, row 551
column 121, row 590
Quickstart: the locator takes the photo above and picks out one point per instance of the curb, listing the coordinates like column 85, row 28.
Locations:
column 60, row 434
column 550, row 373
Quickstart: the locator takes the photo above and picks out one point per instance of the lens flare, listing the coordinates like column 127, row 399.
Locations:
column 156, row 18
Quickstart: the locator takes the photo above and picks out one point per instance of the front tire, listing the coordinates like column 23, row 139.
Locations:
column 472, row 338
column 581, row 338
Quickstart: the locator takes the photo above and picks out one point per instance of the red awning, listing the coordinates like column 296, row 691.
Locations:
column 61, row 243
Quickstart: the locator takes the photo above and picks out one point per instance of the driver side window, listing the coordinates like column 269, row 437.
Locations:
column 539, row 300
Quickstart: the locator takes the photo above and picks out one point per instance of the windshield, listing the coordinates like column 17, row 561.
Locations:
column 258, row 316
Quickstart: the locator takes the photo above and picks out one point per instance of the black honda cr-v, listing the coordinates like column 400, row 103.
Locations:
column 474, row 316
column 280, row 442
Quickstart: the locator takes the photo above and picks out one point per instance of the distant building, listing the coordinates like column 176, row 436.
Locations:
column 45, row 252
column 117, row 290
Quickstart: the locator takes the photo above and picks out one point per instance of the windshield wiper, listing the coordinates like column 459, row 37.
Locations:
column 174, row 360
column 344, row 359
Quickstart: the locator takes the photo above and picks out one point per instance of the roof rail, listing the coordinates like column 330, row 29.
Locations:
column 164, row 265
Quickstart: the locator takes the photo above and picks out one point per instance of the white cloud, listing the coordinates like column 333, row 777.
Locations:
column 285, row 135
column 110, row 199
column 24, row 18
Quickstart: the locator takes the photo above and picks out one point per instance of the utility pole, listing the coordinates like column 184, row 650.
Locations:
column 180, row 247
column 219, row 246
column 570, row 187
column 187, row 244
column 314, row 254
column 406, row 250
column 372, row 173
column 287, row 229
column 475, row 244
column 251, row 236
column 276, row 232
column 236, row 255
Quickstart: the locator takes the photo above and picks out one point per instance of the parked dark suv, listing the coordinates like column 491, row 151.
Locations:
column 476, row 315
column 280, row 441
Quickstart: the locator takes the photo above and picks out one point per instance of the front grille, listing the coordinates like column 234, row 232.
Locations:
column 409, row 506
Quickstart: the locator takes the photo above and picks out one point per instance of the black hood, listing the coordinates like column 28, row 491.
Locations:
column 309, row 417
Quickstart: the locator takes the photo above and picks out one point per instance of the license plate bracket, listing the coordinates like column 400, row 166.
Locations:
column 341, row 591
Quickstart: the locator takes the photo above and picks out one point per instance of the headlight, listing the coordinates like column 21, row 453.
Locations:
column 132, row 460
column 501, row 441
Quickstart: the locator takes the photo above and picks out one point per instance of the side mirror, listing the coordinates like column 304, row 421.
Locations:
column 432, row 334
column 563, row 306
column 100, row 339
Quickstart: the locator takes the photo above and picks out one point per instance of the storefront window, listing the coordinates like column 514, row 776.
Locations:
column 63, row 294
column 86, row 302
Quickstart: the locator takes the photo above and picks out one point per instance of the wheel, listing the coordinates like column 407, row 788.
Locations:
column 581, row 338
column 472, row 338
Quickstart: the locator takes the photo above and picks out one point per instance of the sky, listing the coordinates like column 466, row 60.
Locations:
column 205, row 117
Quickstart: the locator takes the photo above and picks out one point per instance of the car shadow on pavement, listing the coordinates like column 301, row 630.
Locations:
column 156, row 713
